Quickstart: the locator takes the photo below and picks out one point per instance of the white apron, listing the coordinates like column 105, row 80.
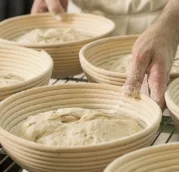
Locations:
column 130, row 16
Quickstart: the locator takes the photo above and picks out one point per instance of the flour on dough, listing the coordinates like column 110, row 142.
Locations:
column 51, row 35
column 122, row 63
column 118, row 64
column 7, row 79
column 76, row 127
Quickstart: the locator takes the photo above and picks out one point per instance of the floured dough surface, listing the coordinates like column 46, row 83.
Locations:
column 117, row 64
column 51, row 35
column 122, row 63
column 76, row 127
column 7, row 79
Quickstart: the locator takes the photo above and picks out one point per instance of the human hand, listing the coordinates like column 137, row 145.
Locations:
column 56, row 7
column 152, row 54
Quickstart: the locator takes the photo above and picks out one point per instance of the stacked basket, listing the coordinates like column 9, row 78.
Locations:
column 36, row 157
column 65, row 55
column 163, row 158
column 101, row 52
column 34, row 67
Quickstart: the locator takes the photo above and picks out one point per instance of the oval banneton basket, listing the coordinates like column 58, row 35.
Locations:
column 163, row 158
column 65, row 55
column 35, row 68
column 94, row 158
column 99, row 53
column 172, row 101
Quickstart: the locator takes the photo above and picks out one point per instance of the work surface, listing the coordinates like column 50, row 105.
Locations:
column 166, row 134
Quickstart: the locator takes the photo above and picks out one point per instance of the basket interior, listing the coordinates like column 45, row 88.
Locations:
column 87, row 24
column 22, row 62
column 32, row 102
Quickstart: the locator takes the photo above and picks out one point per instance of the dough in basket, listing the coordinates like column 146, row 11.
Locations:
column 122, row 63
column 76, row 127
column 117, row 64
column 51, row 35
column 7, row 79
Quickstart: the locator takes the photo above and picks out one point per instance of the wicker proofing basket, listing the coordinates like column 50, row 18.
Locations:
column 34, row 67
column 99, row 52
column 172, row 100
column 41, row 158
column 163, row 158
column 65, row 55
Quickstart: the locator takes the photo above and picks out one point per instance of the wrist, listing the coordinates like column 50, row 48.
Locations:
column 169, row 28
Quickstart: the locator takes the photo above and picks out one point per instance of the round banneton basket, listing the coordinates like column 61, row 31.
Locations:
column 172, row 101
column 36, row 157
column 163, row 158
column 35, row 68
column 65, row 55
column 98, row 54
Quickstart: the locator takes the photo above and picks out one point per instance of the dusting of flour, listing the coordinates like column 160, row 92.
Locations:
column 118, row 64
column 51, row 35
column 122, row 63
column 7, row 79
column 76, row 127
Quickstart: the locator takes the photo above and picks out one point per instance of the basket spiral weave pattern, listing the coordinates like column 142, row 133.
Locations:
column 65, row 55
column 34, row 67
column 41, row 158
column 163, row 158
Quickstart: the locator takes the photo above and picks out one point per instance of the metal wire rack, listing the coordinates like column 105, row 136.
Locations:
column 167, row 132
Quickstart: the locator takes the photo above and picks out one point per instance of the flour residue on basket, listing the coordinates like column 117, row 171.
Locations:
column 122, row 63
column 70, row 127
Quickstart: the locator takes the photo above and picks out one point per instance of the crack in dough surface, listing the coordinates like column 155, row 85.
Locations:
column 70, row 127
column 51, row 35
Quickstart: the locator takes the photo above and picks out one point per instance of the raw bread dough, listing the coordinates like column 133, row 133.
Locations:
column 7, row 79
column 122, row 63
column 51, row 35
column 117, row 64
column 76, row 127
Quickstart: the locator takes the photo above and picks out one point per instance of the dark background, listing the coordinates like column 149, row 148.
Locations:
column 11, row 8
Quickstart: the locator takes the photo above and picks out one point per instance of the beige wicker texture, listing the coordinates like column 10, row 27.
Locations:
column 100, row 52
column 41, row 158
column 34, row 67
column 163, row 158
column 65, row 55
column 172, row 100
